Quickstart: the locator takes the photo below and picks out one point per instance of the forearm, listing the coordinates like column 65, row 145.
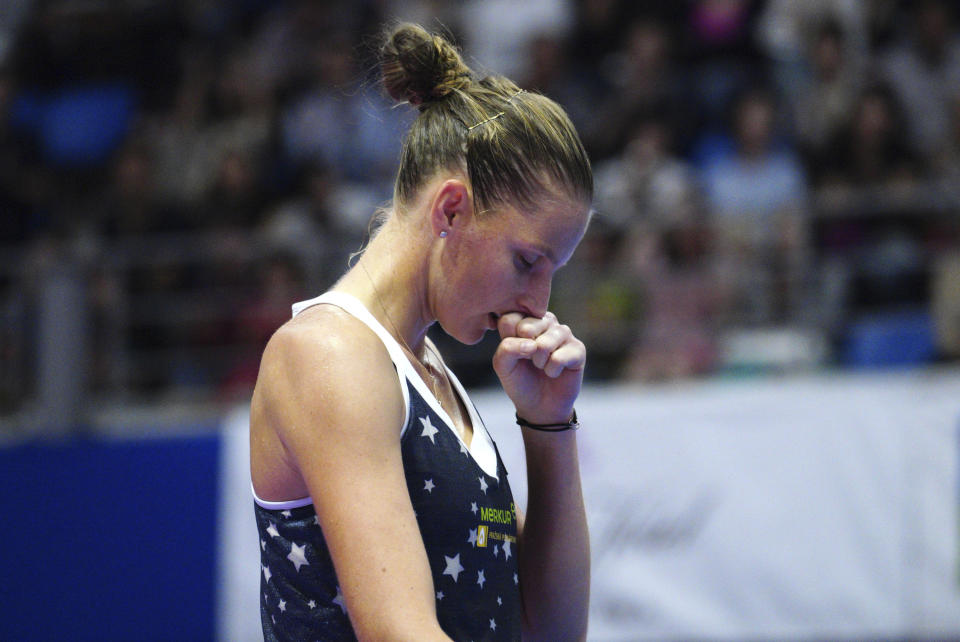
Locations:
column 554, row 545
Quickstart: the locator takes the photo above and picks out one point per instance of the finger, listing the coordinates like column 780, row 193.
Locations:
column 510, row 351
column 548, row 341
column 532, row 327
column 507, row 325
column 570, row 356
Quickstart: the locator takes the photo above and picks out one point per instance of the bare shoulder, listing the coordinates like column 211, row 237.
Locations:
column 316, row 343
column 319, row 372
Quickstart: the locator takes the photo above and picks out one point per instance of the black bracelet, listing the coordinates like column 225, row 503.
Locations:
column 573, row 424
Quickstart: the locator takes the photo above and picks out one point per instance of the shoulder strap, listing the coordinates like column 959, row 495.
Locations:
column 352, row 306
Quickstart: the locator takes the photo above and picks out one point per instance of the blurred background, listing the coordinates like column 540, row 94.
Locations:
column 771, row 283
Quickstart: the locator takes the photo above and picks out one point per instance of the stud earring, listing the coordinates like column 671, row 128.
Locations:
column 443, row 234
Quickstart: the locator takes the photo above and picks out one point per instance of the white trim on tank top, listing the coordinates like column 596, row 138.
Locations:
column 481, row 447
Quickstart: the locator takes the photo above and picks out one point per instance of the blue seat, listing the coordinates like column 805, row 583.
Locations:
column 78, row 126
column 896, row 339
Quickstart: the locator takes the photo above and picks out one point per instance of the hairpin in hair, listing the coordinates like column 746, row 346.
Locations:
column 482, row 122
column 499, row 113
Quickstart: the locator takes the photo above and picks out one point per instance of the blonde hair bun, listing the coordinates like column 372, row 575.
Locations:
column 419, row 67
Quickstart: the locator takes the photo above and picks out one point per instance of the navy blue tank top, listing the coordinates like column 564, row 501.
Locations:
column 464, row 509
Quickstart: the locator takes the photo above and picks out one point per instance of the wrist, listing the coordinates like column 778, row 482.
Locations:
column 550, row 426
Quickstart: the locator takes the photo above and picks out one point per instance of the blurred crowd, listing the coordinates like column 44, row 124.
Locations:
column 778, row 170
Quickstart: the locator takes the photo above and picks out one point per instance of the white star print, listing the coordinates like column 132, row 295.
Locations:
column 472, row 538
column 429, row 486
column 493, row 624
column 496, row 551
column 266, row 573
column 338, row 600
column 298, row 555
column 453, row 566
column 506, row 549
column 286, row 514
column 439, row 595
column 483, row 485
column 428, row 429
column 312, row 604
column 516, row 580
column 473, row 507
column 263, row 545
column 499, row 601
column 283, row 606
column 480, row 578
column 316, row 520
column 272, row 530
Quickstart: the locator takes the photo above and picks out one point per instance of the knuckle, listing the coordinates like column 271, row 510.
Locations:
column 527, row 328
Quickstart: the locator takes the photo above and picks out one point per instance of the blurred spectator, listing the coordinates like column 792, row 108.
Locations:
column 283, row 43
column 757, row 196
column 130, row 205
column 824, row 102
column 923, row 69
column 945, row 162
column 720, row 52
column 871, row 148
column 597, row 30
column 310, row 227
column 870, row 167
column 236, row 197
column 552, row 73
column 182, row 153
column 596, row 294
column 647, row 183
column 220, row 110
column 643, row 78
column 760, row 176
column 335, row 122
column 497, row 33
column 682, row 296
column 674, row 293
column 279, row 281
column 179, row 152
column 815, row 42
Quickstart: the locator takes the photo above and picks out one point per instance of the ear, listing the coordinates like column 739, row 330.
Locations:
column 451, row 207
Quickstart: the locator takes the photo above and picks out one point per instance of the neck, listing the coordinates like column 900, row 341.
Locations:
column 390, row 278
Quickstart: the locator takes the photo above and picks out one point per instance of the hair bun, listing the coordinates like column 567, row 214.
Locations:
column 420, row 67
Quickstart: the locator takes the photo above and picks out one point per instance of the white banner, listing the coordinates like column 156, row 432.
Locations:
column 818, row 508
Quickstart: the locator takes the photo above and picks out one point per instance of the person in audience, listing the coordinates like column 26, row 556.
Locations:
column 757, row 198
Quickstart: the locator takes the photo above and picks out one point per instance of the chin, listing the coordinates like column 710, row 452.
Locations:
column 468, row 330
column 469, row 335
column 473, row 338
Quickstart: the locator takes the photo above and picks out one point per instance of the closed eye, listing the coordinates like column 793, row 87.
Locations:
column 523, row 264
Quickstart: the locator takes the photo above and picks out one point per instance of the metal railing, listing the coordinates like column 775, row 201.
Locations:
column 88, row 323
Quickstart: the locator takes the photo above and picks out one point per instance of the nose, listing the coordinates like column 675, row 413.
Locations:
column 536, row 298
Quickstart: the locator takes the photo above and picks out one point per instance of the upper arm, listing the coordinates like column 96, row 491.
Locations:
column 334, row 399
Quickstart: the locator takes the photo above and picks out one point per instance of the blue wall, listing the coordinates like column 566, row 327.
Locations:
column 109, row 540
